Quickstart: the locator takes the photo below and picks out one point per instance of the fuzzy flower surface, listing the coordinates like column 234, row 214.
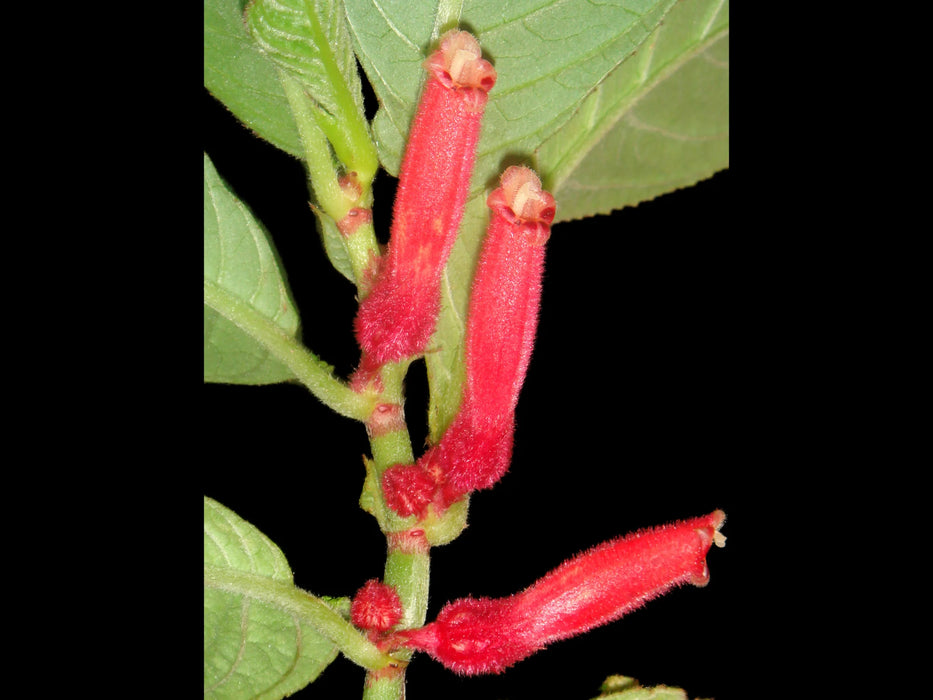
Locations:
column 487, row 635
column 397, row 318
column 476, row 449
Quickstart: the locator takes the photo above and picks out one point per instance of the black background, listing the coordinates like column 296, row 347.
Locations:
column 651, row 396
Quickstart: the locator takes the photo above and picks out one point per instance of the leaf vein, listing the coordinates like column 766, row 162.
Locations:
column 712, row 18
column 391, row 25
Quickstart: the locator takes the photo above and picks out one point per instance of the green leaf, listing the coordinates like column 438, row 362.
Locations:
column 304, row 37
column 239, row 260
column 335, row 246
column 250, row 321
column 240, row 76
column 659, row 122
column 253, row 649
column 548, row 56
column 309, row 40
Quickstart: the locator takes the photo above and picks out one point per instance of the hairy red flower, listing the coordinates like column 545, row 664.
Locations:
column 398, row 317
column 485, row 635
column 501, row 326
column 476, row 449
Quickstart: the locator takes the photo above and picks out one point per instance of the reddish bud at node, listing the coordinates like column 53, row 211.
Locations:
column 376, row 607
column 355, row 218
column 350, row 185
column 385, row 418
column 411, row 541
column 484, row 635
column 398, row 317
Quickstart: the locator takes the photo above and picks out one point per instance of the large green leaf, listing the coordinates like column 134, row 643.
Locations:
column 660, row 121
column 549, row 55
column 240, row 76
column 252, row 649
column 240, row 265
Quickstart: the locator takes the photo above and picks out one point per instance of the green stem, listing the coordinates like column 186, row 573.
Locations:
column 362, row 249
column 361, row 245
column 385, row 685
column 410, row 574
column 347, row 130
column 408, row 563
column 314, row 611
column 310, row 370
column 318, row 158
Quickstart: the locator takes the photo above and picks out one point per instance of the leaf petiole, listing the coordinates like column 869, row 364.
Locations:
column 310, row 370
column 291, row 599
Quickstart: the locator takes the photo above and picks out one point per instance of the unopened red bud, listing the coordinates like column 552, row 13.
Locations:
column 408, row 489
column 376, row 607
column 473, row 636
column 398, row 317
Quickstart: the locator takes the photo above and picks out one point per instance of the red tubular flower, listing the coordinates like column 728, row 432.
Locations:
column 398, row 317
column 484, row 635
column 476, row 449
column 501, row 325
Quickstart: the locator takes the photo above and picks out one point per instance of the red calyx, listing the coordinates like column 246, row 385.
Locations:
column 376, row 607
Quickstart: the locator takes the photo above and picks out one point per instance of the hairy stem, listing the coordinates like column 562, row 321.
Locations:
column 310, row 370
column 319, row 161
column 408, row 562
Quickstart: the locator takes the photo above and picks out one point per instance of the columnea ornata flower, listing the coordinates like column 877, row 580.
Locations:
column 484, row 635
column 398, row 317
column 476, row 449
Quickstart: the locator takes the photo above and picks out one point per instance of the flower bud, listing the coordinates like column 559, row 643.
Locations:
column 376, row 607
column 485, row 635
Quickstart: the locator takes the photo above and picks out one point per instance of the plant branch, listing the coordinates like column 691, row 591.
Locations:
column 310, row 370
column 317, row 151
column 291, row 599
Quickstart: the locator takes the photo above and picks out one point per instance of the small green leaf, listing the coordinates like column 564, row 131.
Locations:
column 335, row 245
column 659, row 122
column 253, row 649
column 240, row 76
column 239, row 260
column 250, row 321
